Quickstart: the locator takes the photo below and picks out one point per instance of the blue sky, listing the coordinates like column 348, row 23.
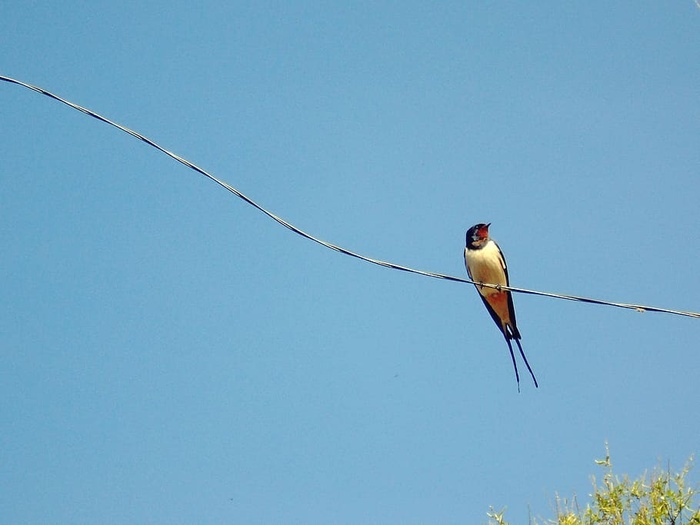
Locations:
column 171, row 355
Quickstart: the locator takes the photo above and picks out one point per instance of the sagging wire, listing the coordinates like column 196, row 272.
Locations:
column 340, row 249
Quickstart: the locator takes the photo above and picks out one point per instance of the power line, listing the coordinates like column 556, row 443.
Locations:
column 637, row 307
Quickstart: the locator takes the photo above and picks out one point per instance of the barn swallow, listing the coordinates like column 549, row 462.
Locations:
column 485, row 264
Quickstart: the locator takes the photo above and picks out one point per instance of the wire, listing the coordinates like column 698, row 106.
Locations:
column 637, row 307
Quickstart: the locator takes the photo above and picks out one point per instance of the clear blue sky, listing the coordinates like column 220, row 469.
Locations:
column 170, row 355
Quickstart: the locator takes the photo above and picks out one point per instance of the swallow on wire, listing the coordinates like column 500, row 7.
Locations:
column 485, row 264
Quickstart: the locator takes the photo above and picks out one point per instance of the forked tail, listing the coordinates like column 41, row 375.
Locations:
column 526, row 363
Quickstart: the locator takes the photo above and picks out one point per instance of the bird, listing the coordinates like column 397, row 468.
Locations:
column 486, row 265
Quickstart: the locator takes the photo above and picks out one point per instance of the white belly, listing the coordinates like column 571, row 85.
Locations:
column 486, row 266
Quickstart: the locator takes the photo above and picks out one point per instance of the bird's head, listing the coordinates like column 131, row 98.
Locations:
column 477, row 236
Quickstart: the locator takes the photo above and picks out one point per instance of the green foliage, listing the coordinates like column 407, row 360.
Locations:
column 660, row 498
